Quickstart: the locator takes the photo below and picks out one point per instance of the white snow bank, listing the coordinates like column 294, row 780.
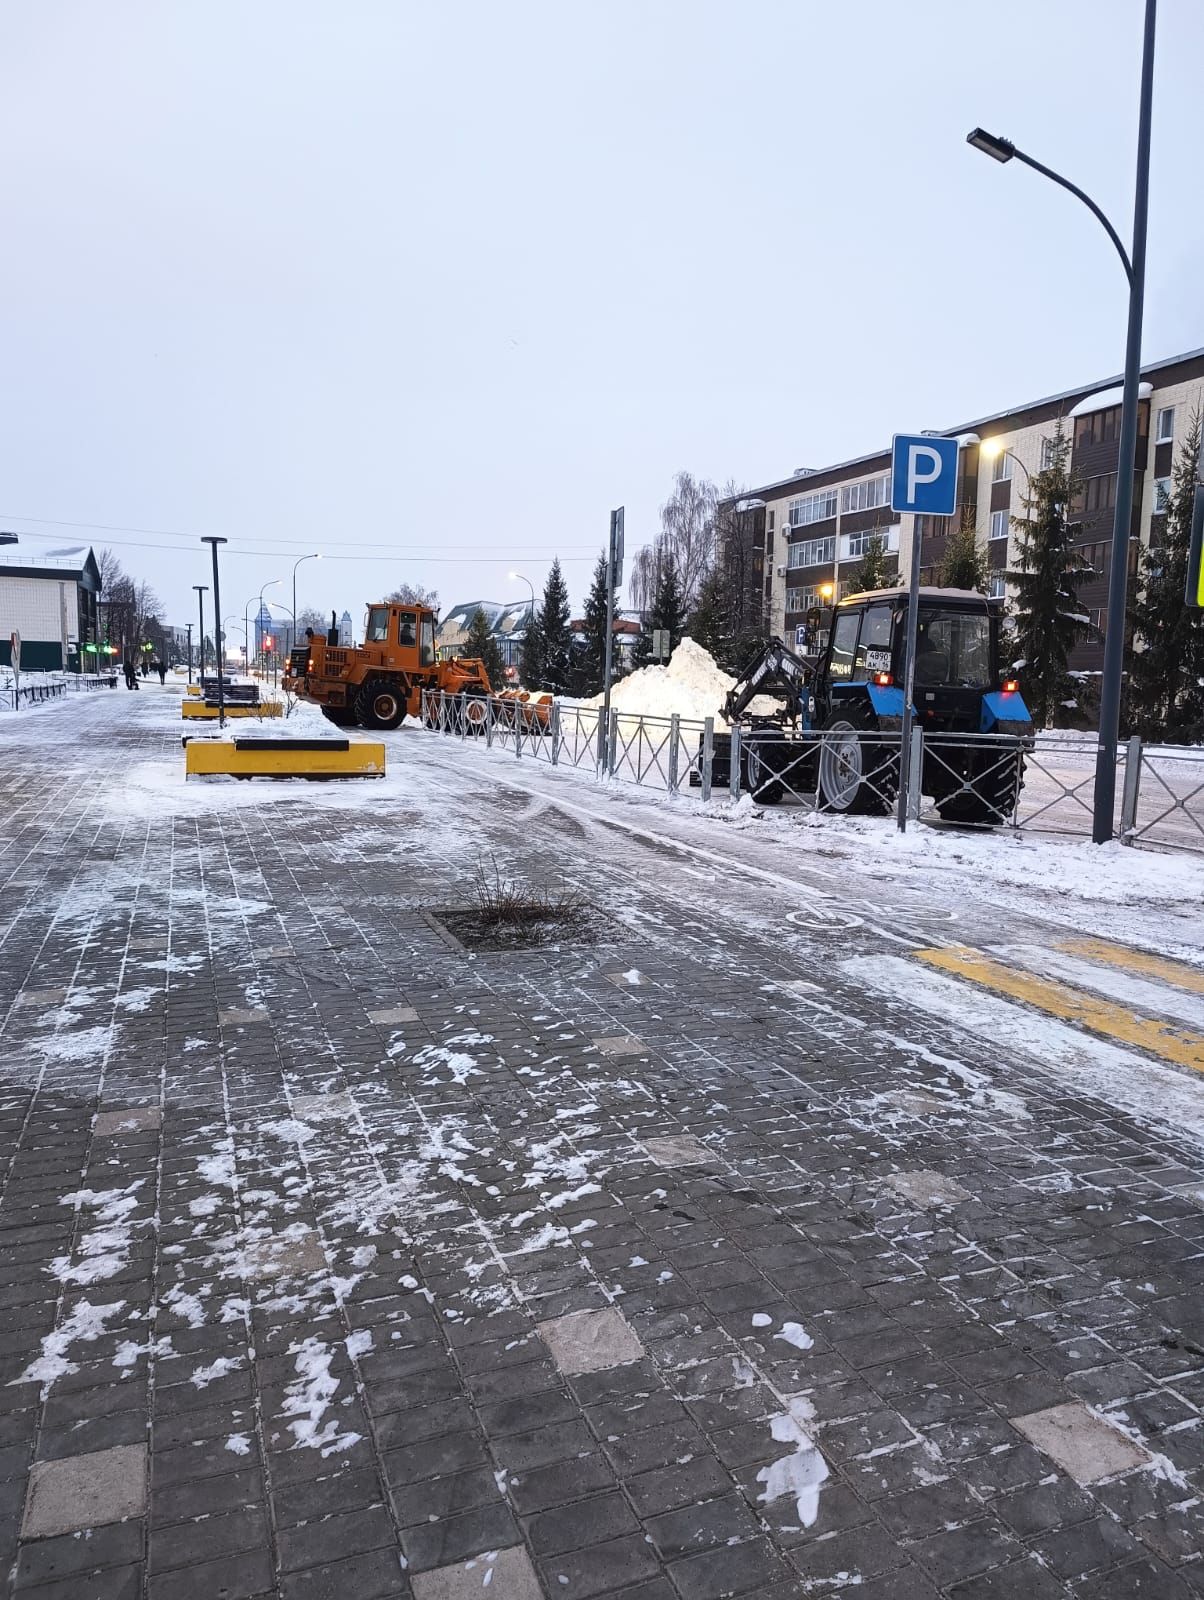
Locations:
column 1046, row 868
column 692, row 685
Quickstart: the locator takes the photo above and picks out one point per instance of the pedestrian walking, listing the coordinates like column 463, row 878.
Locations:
column 161, row 669
column 131, row 674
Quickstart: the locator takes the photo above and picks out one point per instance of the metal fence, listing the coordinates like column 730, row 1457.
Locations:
column 1043, row 785
column 655, row 752
column 13, row 696
column 1163, row 798
column 32, row 693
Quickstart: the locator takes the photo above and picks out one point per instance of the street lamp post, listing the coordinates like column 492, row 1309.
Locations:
column 317, row 556
column 213, row 540
column 517, row 577
column 201, row 590
column 267, row 585
column 1114, row 639
column 278, row 605
column 188, row 625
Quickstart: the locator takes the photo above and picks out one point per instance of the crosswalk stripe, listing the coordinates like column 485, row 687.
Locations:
column 1172, row 1042
column 1143, row 996
column 1177, row 973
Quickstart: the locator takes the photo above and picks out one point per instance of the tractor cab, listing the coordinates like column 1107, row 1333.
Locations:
column 957, row 656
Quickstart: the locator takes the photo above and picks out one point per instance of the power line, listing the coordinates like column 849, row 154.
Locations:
column 397, row 552
column 177, row 533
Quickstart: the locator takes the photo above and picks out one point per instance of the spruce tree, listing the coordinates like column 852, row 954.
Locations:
column 1049, row 620
column 484, row 647
column 531, row 662
column 591, row 656
column 964, row 564
column 873, row 572
column 706, row 624
column 555, row 632
column 1166, row 669
column 668, row 606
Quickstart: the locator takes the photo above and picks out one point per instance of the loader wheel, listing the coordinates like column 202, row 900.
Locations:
column 992, row 798
column 380, row 704
column 857, row 775
column 341, row 716
column 765, row 787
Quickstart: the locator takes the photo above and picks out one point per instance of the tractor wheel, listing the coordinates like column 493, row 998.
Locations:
column 341, row 716
column 856, row 775
column 380, row 704
column 766, row 788
column 991, row 800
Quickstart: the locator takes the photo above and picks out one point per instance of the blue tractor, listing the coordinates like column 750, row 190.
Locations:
column 853, row 693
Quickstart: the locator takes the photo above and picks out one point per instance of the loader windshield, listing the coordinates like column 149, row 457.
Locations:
column 953, row 648
column 377, row 631
column 426, row 657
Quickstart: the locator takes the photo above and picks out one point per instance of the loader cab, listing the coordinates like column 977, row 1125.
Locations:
column 404, row 635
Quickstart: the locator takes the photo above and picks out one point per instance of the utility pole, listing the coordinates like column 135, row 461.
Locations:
column 614, row 577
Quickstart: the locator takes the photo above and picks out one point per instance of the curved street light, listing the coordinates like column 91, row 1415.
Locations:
column 1104, row 805
column 317, row 556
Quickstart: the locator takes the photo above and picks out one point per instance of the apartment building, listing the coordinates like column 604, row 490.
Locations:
column 813, row 528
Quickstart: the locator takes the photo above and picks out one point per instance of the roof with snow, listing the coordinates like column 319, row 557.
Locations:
column 68, row 561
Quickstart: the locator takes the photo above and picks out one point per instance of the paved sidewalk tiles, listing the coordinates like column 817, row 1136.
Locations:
column 337, row 1263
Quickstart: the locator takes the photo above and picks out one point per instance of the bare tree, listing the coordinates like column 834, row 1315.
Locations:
column 687, row 534
column 413, row 594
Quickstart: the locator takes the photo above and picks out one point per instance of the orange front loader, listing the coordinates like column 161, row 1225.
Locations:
column 376, row 684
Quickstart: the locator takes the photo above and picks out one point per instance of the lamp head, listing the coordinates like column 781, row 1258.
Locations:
column 991, row 145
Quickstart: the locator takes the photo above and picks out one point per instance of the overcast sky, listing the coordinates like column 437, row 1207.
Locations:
column 430, row 287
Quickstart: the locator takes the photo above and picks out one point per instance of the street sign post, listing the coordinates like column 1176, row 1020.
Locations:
column 661, row 640
column 14, row 645
column 924, row 484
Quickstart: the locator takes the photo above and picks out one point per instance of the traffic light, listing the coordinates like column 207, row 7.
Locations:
column 1195, row 555
column 267, row 645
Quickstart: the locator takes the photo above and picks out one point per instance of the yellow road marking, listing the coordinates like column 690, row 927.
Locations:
column 1177, row 973
column 1174, row 1043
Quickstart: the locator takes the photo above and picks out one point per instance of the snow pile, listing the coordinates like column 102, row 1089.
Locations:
column 690, row 686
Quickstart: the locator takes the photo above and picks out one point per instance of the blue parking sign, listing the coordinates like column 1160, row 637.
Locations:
column 923, row 474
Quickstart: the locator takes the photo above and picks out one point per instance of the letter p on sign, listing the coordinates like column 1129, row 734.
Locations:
column 924, row 475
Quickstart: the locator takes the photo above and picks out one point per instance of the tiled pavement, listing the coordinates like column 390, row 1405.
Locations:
column 335, row 1262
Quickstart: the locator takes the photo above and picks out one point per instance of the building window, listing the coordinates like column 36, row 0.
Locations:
column 812, row 553
column 1048, row 449
column 1166, row 425
column 866, row 496
column 855, row 545
column 1001, row 468
column 770, row 516
column 999, row 524
column 1162, row 495
column 1097, row 427
column 806, row 598
column 1096, row 494
column 810, row 508
column 998, row 587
